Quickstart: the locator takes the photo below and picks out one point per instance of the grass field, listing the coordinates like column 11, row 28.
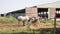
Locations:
column 9, row 26
column 43, row 28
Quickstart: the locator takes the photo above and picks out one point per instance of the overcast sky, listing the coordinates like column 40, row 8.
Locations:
column 12, row 5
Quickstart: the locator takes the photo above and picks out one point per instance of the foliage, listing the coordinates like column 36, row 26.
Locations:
column 8, row 20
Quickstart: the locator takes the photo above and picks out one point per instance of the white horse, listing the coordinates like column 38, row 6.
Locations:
column 23, row 19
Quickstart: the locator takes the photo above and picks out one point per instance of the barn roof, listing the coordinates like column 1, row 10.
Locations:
column 18, row 11
column 50, row 5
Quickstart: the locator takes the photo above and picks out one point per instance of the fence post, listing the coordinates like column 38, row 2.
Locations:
column 55, row 24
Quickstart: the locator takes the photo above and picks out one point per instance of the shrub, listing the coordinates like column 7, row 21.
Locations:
column 9, row 19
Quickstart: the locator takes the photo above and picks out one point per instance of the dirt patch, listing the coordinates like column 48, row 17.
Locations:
column 32, row 26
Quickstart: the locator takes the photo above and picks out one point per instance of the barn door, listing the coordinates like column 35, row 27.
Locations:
column 43, row 12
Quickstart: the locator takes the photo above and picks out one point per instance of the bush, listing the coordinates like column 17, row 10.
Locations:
column 9, row 19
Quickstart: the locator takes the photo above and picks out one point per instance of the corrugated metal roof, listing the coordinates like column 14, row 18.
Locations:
column 50, row 5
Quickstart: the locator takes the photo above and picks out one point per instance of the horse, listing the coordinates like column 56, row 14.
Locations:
column 23, row 19
column 27, row 19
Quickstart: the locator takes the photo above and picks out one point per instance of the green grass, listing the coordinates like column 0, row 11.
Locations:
column 23, row 31
column 8, row 20
column 48, row 20
column 27, row 31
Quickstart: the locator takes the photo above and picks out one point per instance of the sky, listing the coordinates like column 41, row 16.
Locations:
column 12, row 5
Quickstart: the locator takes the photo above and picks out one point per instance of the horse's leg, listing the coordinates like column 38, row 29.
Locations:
column 28, row 24
column 19, row 23
column 23, row 23
column 26, row 21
